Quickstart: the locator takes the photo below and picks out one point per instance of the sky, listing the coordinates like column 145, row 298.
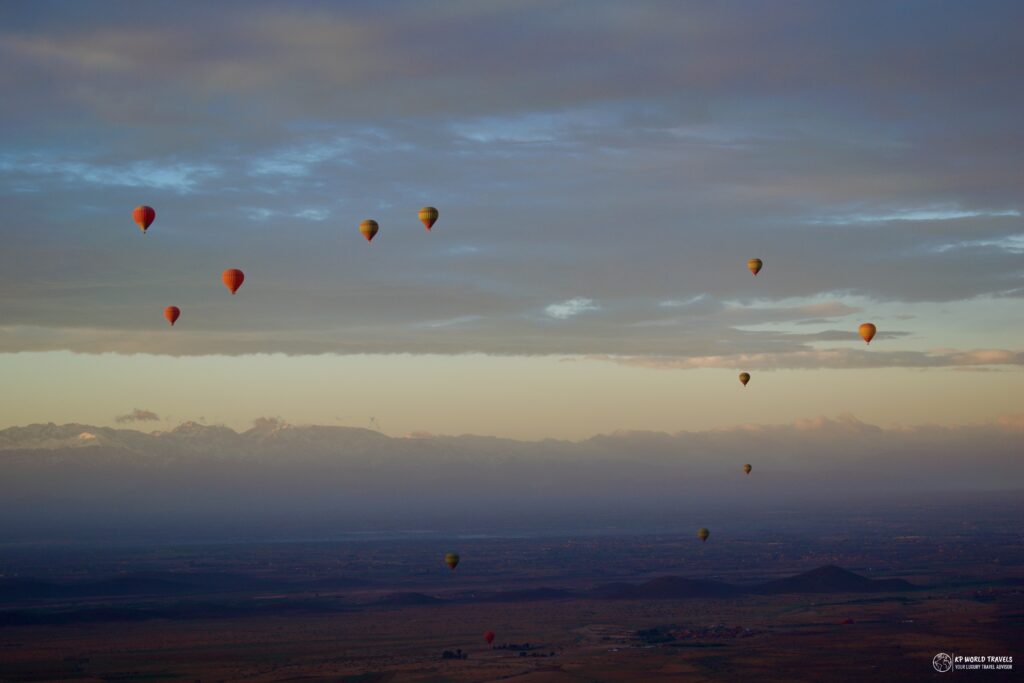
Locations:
column 603, row 171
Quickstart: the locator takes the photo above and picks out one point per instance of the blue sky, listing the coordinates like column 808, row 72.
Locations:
column 603, row 172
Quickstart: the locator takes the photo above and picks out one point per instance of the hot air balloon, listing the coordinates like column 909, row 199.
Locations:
column 867, row 332
column 489, row 637
column 747, row 468
column 428, row 216
column 144, row 216
column 233, row 279
column 452, row 560
column 172, row 313
column 368, row 228
column 754, row 265
column 744, row 378
column 703, row 534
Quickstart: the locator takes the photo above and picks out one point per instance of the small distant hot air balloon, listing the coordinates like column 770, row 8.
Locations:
column 744, row 378
column 747, row 468
column 867, row 332
column 703, row 534
column 144, row 216
column 233, row 279
column 368, row 228
column 172, row 313
column 754, row 265
column 489, row 637
column 452, row 560
column 428, row 216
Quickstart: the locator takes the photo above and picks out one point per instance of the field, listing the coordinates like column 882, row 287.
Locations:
column 387, row 609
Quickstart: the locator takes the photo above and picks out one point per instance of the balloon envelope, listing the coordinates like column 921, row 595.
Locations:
column 489, row 637
column 452, row 560
column 428, row 216
column 144, row 216
column 172, row 313
column 368, row 228
column 867, row 332
column 755, row 265
column 747, row 468
column 744, row 378
column 703, row 534
column 233, row 279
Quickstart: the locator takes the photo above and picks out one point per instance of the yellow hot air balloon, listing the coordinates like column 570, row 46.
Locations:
column 867, row 332
column 703, row 534
column 744, row 378
column 747, row 468
column 428, row 216
column 754, row 265
column 452, row 560
column 368, row 228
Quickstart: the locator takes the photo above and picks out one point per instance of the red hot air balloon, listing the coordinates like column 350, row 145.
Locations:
column 233, row 279
column 144, row 216
column 172, row 313
column 489, row 637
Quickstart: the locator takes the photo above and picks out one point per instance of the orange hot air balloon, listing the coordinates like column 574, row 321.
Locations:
column 747, row 468
column 754, row 265
column 452, row 560
column 867, row 332
column 368, row 228
column 233, row 279
column 489, row 637
column 703, row 534
column 428, row 216
column 172, row 313
column 744, row 378
column 144, row 216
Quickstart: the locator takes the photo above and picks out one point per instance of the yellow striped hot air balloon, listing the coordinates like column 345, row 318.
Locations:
column 428, row 216
column 368, row 228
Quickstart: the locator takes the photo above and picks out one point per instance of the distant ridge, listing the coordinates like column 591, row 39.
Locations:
column 667, row 588
column 832, row 579
column 529, row 595
column 160, row 584
column 829, row 579
column 177, row 585
column 408, row 599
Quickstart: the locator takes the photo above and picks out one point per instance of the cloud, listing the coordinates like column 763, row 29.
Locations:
column 313, row 214
column 570, row 308
column 689, row 137
column 827, row 358
column 178, row 176
column 919, row 214
column 138, row 415
column 1013, row 244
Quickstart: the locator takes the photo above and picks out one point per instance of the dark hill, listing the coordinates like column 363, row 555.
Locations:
column 667, row 588
column 136, row 584
column 832, row 579
column 407, row 600
column 531, row 595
